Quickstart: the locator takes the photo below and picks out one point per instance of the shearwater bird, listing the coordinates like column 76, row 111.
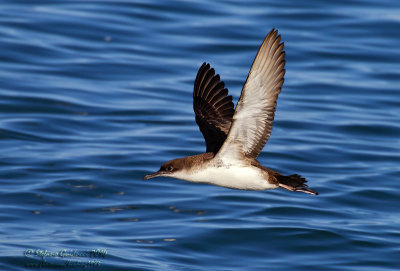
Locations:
column 235, row 138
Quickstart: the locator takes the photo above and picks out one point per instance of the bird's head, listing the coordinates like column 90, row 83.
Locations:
column 169, row 169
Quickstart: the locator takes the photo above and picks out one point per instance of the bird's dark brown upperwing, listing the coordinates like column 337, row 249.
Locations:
column 213, row 107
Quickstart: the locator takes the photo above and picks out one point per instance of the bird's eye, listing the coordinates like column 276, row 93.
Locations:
column 170, row 168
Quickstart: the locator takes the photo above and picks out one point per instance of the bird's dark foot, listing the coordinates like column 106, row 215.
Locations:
column 295, row 183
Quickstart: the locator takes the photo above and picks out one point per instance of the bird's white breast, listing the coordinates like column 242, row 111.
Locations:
column 236, row 177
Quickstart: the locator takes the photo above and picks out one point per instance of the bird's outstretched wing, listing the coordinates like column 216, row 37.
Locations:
column 252, row 121
column 213, row 107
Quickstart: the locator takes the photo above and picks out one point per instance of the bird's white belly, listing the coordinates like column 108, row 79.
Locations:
column 236, row 177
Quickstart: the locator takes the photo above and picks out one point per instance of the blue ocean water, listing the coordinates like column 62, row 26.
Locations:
column 96, row 94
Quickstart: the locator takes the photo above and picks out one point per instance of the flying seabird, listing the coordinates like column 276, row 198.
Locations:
column 235, row 138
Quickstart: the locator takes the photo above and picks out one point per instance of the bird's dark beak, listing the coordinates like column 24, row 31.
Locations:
column 155, row 174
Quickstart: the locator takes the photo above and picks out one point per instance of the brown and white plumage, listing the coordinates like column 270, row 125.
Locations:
column 254, row 115
column 235, row 138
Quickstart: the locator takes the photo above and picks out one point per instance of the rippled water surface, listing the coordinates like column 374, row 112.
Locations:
column 95, row 94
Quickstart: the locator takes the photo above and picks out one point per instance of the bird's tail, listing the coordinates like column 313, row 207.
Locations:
column 294, row 183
